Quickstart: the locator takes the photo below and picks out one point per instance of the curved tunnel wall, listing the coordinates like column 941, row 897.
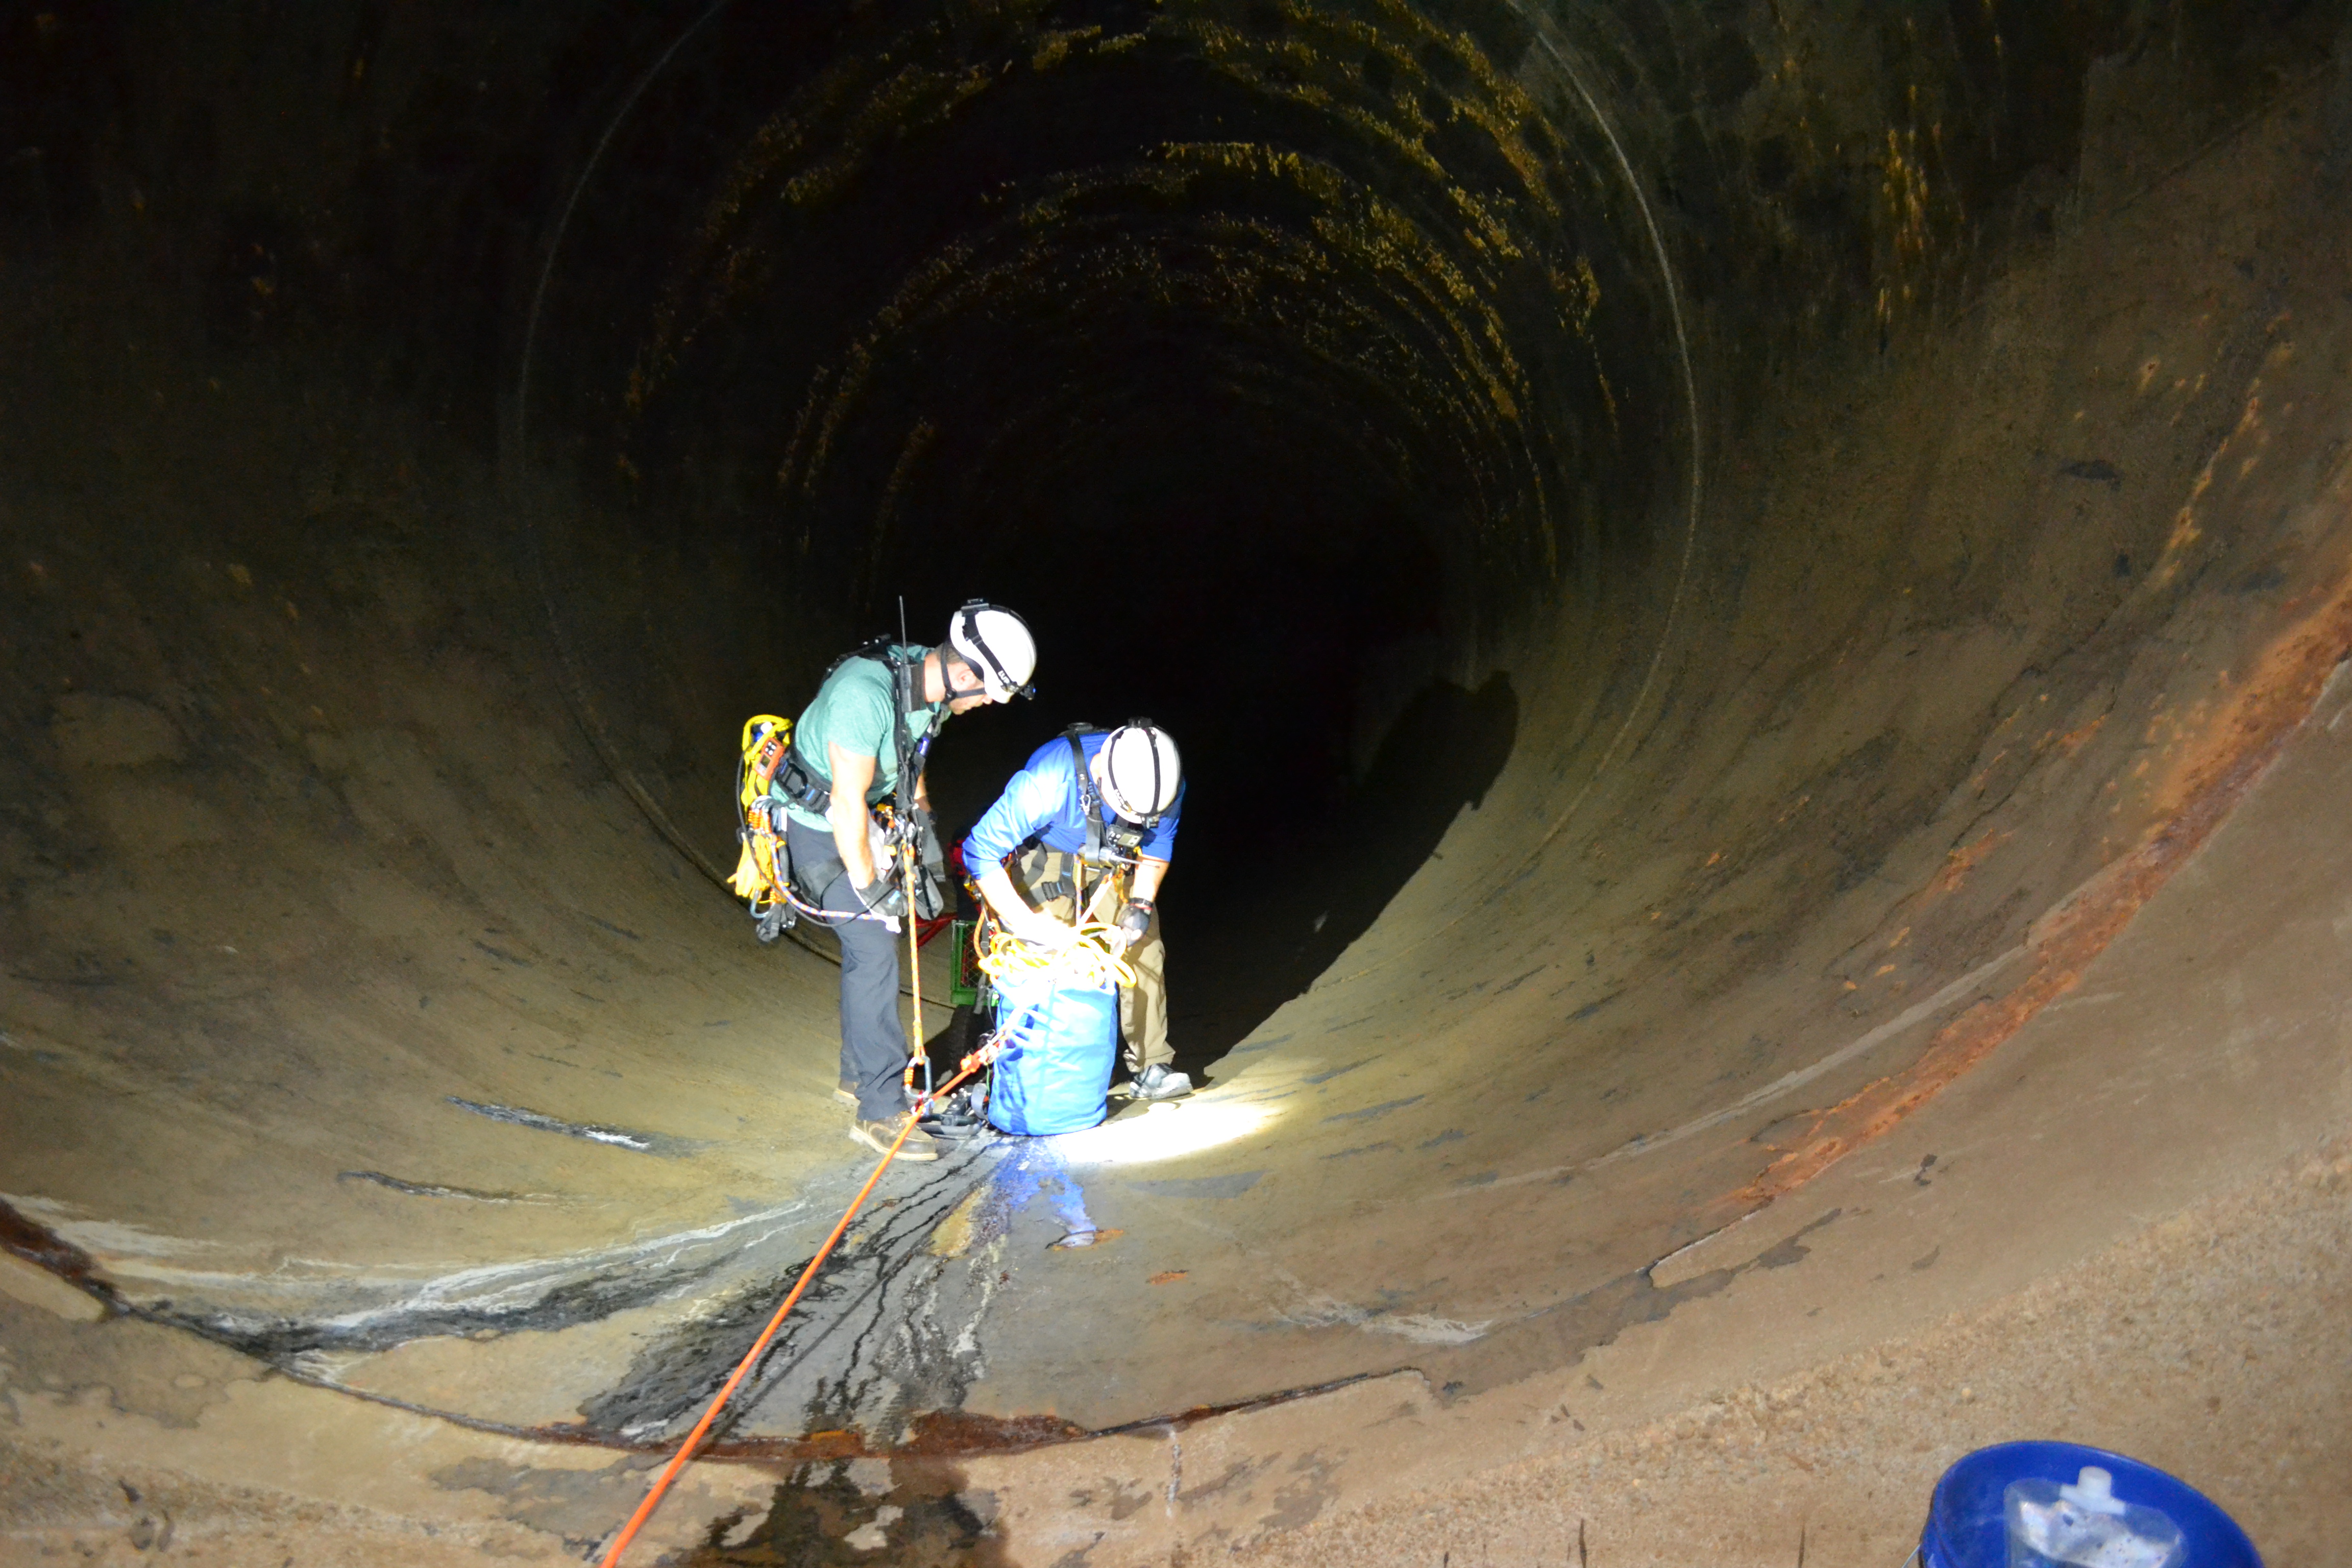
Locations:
column 1772, row 473
column 1253, row 369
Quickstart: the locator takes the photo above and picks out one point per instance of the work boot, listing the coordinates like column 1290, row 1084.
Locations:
column 879, row 1135
column 1157, row 1082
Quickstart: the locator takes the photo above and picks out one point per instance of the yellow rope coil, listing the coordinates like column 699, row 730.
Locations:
column 1091, row 960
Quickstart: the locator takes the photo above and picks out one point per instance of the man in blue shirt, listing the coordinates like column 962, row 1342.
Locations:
column 1088, row 826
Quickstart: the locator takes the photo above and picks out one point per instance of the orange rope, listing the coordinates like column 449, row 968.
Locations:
column 970, row 1065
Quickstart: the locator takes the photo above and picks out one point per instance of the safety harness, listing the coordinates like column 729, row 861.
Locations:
column 1112, row 842
column 810, row 790
column 770, row 756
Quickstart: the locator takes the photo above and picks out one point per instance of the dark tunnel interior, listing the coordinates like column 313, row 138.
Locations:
column 1204, row 347
column 1690, row 549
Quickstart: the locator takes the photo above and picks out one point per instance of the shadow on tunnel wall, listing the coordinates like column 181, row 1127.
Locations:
column 1349, row 858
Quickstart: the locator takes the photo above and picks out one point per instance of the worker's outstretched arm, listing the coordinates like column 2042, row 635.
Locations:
column 1145, row 883
column 852, row 777
column 1030, row 925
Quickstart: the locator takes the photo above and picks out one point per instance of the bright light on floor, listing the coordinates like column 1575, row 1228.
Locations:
column 1163, row 1132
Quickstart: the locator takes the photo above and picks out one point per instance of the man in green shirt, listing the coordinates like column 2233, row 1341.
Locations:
column 874, row 717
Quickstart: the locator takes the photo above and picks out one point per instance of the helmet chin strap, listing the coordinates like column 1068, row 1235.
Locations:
column 1110, row 794
column 1098, row 786
column 996, row 676
column 1120, row 808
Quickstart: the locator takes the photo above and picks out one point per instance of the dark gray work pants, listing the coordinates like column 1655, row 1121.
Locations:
column 873, row 1045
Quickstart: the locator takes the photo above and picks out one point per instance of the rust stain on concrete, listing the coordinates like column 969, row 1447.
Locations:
column 2205, row 781
column 44, row 1248
column 1961, row 861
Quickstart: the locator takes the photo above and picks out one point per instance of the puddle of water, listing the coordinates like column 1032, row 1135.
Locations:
column 594, row 1132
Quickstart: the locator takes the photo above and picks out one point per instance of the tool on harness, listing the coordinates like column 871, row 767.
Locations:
column 763, row 866
column 883, row 897
column 911, row 829
column 932, row 884
column 888, row 840
column 819, row 866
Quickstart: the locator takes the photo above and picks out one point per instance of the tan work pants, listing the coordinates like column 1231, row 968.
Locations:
column 1050, row 878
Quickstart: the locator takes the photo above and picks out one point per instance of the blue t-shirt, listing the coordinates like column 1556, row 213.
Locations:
column 1041, row 803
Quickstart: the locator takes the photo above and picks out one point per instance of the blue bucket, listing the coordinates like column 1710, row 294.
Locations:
column 1053, row 1066
column 1965, row 1528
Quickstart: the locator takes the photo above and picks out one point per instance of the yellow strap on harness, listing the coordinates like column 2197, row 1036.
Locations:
column 766, row 740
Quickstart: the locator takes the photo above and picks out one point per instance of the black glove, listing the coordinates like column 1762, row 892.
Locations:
column 1134, row 920
column 883, row 897
column 771, row 923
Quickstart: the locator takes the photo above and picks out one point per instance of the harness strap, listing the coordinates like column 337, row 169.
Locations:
column 1111, row 839
column 810, row 789
column 1089, row 803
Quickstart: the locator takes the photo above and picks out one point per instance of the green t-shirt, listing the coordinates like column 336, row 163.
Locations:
column 852, row 710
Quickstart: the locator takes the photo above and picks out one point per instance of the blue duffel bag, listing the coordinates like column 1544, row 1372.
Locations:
column 1053, row 1060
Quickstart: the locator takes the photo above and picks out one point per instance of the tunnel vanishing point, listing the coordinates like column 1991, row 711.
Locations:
column 1754, row 592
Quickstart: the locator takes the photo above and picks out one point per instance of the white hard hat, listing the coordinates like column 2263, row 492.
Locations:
column 997, row 645
column 1139, row 770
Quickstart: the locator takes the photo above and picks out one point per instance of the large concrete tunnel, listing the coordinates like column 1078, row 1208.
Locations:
column 1752, row 593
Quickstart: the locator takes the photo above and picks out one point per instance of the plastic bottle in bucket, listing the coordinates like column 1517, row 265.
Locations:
column 2054, row 1505
column 2086, row 1525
